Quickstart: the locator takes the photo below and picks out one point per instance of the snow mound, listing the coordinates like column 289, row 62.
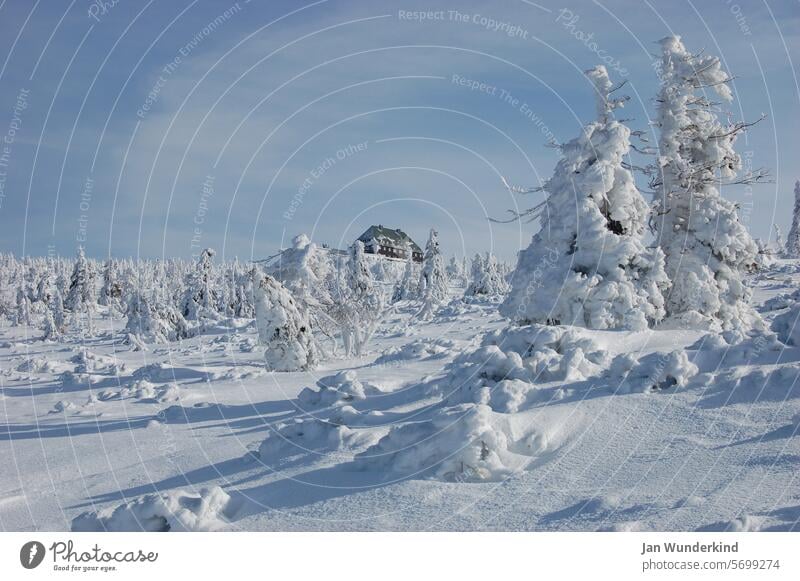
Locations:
column 315, row 436
column 751, row 385
column 163, row 373
column 179, row 510
column 652, row 372
column 419, row 349
column 503, row 372
column 35, row 365
column 333, row 389
column 780, row 301
column 787, row 326
column 742, row 524
column 734, row 348
column 88, row 362
column 142, row 390
column 459, row 443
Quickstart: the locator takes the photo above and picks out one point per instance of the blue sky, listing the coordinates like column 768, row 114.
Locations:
column 157, row 128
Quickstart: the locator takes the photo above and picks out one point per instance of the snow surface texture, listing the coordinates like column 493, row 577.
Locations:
column 456, row 423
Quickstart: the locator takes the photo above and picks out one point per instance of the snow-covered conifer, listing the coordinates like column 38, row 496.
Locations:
column 151, row 323
column 778, row 245
column 406, row 289
column 707, row 249
column 588, row 265
column 282, row 327
column 141, row 323
column 455, row 274
column 433, row 279
column 304, row 269
column 487, row 277
column 23, row 316
column 81, row 292
column 57, row 308
column 358, row 304
column 243, row 294
column 81, row 295
column 200, row 297
column 793, row 240
column 111, row 291
column 477, row 275
column 52, row 332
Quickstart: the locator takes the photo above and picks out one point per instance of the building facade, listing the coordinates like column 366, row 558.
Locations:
column 390, row 243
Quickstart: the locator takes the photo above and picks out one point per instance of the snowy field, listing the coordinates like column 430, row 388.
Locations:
column 452, row 423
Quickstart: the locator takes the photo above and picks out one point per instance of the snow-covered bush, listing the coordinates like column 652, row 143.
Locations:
column 588, row 265
column 312, row 436
column 707, row 248
column 344, row 387
column 509, row 364
column 459, row 443
column 652, row 372
column 282, row 327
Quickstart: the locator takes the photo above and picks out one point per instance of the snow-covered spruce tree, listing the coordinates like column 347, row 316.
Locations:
column 406, row 289
column 588, row 265
column 455, row 272
column 140, row 326
column 793, row 240
column 707, row 248
column 303, row 269
column 778, row 246
column 57, row 308
column 433, row 278
column 200, row 297
column 282, row 328
column 52, row 332
column 43, row 291
column 308, row 271
column 81, row 295
column 496, row 283
column 487, row 277
column 358, row 303
column 111, row 291
column 23, row 315
column 243, row 294
column 477, row 275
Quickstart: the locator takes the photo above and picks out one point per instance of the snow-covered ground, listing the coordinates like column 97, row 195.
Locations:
column 447, row 424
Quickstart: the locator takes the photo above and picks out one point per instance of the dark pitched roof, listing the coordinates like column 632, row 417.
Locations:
column 387, row 237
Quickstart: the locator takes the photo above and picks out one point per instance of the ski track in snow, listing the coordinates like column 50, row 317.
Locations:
column 167, row 428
